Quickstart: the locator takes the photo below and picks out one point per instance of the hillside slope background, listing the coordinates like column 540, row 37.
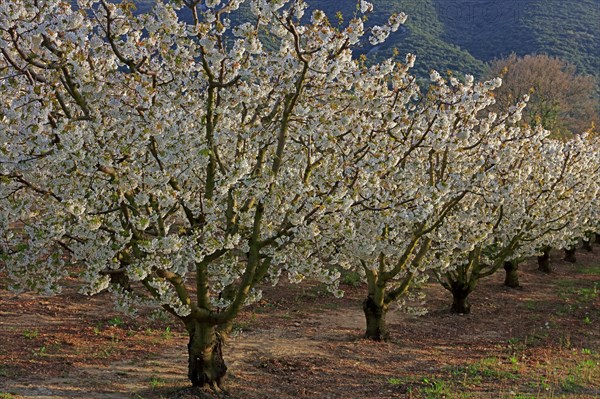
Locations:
column 463, row 35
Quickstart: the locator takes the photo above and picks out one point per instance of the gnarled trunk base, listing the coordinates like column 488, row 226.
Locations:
column 587, row 244
column 375, row 316
column 460, row 304
column 206, row 366
column 512, row 276
column 544, row 262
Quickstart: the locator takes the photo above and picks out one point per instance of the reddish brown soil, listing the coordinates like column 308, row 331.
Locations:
column 299, row 342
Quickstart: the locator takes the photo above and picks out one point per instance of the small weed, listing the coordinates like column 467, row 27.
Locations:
column 435, row 389
column 531, row 304
column 6, row 395
column 588, row 294
column 40, row 351
column 31, row 333
column 105, row 353
column 394, row 381
column 587, row 320
column 513, row 360
column 586, row 351
column 544, row 385
column 156, row 383
column 167, row 334
column 115, row 322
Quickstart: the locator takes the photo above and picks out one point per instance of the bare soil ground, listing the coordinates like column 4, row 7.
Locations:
column 542, row 341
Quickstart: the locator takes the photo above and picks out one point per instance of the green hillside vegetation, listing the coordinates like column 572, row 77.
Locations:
column 422, row 35
column 490, row 29
column 569, row 30
column 463, row 35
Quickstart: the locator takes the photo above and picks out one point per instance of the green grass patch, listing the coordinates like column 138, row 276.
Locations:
column 488, row 369
column 570, row 384
column 589, row 270
column 395, row 381
column 572, row 289
column 531, row 304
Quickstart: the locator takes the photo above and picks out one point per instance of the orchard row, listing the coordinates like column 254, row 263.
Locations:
column 181, row 165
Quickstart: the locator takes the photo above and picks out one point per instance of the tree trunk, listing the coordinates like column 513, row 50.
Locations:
column 597, row 238
column 121, row 279
column 570, row 255
column 375, row 316
column 544, row 261
column 460, row 301
column 587, row 243
column 512, row 275
column 206, row 366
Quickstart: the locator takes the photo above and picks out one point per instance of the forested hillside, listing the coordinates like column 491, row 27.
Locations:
column 464, row 34
column 490, row 29
column 461, row 35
